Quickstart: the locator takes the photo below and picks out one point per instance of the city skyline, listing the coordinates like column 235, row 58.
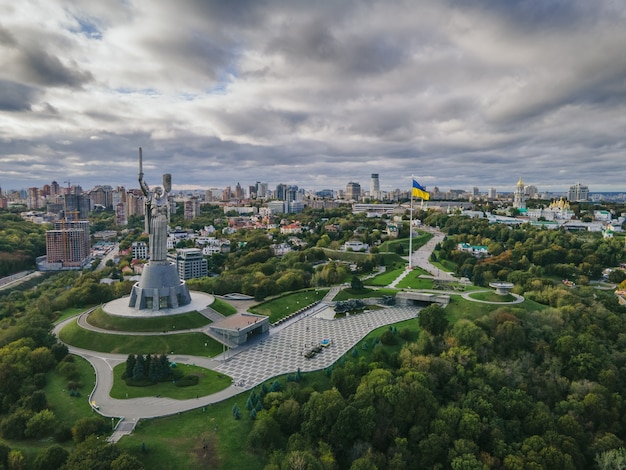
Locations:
column 317, row 94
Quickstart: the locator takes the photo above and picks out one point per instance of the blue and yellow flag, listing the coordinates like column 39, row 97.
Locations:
column 419, row 191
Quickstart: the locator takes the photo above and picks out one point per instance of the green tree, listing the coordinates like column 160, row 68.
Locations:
column 321, row 411
column 613, row 459
column 90, row 426
column 126, row 462
column 41, row 424
column 265, row 434
column 433, row 319
column 51, row 458
column 92, row 454
column 16, row 460
column 356, row 283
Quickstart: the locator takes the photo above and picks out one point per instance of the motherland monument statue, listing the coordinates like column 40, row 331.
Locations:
column 159, row 287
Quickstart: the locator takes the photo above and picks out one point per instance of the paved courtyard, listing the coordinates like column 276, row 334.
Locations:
column 283, row 351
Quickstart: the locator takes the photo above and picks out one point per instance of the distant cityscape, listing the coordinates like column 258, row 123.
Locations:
column 67, row 208
column 284, row 198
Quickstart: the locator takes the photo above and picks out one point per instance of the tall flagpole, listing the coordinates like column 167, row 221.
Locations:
column 411, row 228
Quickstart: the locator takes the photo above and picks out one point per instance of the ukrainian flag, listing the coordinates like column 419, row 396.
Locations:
column 419, row 191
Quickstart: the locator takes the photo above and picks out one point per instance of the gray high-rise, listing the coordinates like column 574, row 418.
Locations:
column 374, row 186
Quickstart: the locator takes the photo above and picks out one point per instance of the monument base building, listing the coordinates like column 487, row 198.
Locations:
column 159, row 288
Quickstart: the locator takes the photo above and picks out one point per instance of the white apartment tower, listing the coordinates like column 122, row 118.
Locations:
column 578, row 192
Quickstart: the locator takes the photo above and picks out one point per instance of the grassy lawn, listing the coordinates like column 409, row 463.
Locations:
column 445, row 265
column 70, row 312
column 414, row 281
column 210, row 382
column 287, row 304
column 384, row 279
column 350, row 256
column 67, row 408
column 418, row 242
column 197, row 344
column 176, row 442
column 182, row 321
column 492, row 297
column 223, row 307
column 460, row 308
column 365, row 293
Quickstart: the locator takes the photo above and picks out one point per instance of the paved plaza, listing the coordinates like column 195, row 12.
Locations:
column 283, row 352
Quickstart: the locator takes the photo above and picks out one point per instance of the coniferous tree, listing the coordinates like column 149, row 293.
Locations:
column 130, row 365
column 138, row 370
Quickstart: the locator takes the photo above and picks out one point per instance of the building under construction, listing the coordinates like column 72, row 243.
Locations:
column 67, row 245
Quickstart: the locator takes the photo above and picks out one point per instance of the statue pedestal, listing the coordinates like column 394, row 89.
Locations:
column 159, row 288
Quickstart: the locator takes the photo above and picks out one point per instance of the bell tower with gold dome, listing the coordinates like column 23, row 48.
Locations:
column 519, row 200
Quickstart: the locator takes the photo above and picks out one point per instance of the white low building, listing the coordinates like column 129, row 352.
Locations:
column 355, row 245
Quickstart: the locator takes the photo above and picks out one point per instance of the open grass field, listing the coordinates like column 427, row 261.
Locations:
column 197, row 344
column 385, row 278
column 67, row 408
column 491, row 296
column 414, row 281
column 364, row 293
column 461, row 308
column 418, row 242
column 223, row 307
column 210, row 382
column 445, row 265
column 284, row 305
column 71, row 312
column 177, row 442
column 183, row 321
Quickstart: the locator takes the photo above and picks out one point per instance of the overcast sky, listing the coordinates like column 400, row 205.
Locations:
column 314, row 93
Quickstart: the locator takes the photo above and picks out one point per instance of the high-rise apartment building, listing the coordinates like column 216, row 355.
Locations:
column 55, row 189
column 102, row 196
column 68, row 244
column 281, row 192
column 492, row 193
column 192, row 208
column 121, row 216
column 135, row 202
column 227, row 194
column 530, row 191
column 32, row 200
column 353, row 191
column 239, row 192
column 578, row 193
column 374, row 186
column 261, row 189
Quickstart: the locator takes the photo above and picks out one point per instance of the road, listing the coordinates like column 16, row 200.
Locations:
column 113, row 253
